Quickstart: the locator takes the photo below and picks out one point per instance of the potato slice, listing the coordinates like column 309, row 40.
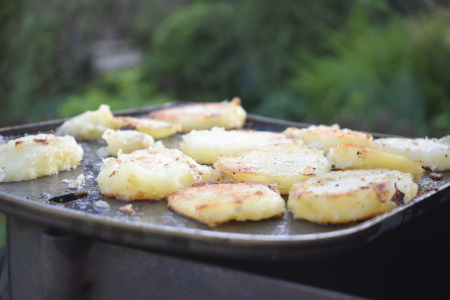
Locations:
column 157, row 129
column 444, row 140
column 229, row 115
column 89, row 125
column 152, row 174
column 324, row 137
column 346, row 196
column 39, row 155
column 435, row 155
column 283, row 164
column 126, row 140
column 214, row 203
column 351, row 157
column 205, row 146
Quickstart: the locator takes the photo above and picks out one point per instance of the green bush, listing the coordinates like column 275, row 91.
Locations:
column 120, row 90
column 195, row 53
column 373, row 80
column 432, row 64
column 275, row 34
column 46, row 47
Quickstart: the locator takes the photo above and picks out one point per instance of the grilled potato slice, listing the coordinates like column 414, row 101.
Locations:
column 346, row 196
column 126, row 140
column 89, row 125
column 39, row 155
column 205, row 146
column 214, row 203
column 152, row 174
column 324, row 137
column 435, row 155
column 229, row 115
column 157, row 129
column 351, row 156
column 283, row 164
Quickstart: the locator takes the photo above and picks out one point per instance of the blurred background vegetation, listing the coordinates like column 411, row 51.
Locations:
column 380, row 66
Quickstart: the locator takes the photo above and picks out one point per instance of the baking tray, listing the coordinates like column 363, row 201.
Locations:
column 50, row 202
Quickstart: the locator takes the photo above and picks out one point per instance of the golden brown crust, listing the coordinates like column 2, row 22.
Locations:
column 215, row 203
column 341, row 197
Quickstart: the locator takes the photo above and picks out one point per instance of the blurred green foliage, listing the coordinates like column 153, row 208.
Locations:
column 120, row 89
column 358, row 63
column 377, row 78
column 195, row 54
column 368, row 78
column 2, row 229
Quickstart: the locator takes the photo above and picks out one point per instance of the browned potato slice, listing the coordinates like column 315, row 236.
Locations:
column 346, row 196
column 157, row 129
column 205, row 146
column 435, row 155
column 214, row 203
column 152, row 174
column 325, row 137
column 229, row 115
column 351, row 156
column 89, row 125
column 283, row 164
column 39, row 155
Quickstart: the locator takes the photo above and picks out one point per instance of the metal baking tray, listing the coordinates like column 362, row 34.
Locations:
column 49, row 202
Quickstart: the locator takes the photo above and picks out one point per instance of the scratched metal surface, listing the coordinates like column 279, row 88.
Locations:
column 154, row 226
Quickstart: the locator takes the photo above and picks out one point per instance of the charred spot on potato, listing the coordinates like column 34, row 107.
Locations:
column 43, row 141
column 381, row 191
column 18, row 143
column 128, row 127
column 398, row 197
column 436, row 176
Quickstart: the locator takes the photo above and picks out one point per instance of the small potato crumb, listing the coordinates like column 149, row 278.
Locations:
column 127, row 209
column 101, row 204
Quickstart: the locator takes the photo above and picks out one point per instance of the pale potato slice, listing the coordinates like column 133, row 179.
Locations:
column 324, row 137
column 229, row 115
column 126, row 140
column 214, row 203
column 435, row 155
column 152, row 174
column 205, row 146
column 283, row 164
column 351, row 156
column 89, row 125
column 39, row 155
column 346, row 196
column 157, row 129
column 444, row 140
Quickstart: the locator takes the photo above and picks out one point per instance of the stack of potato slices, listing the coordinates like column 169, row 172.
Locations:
column 283, row 164
column 151, row 174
